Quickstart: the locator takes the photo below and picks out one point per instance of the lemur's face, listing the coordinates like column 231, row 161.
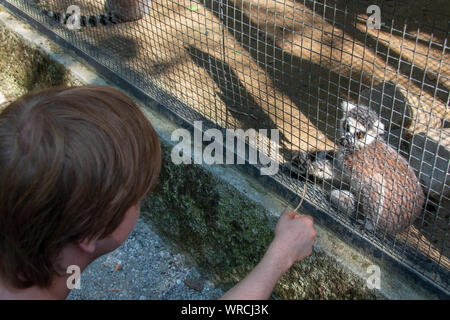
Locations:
column 359, row 126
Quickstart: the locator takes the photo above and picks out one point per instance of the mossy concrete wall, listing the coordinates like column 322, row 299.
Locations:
column 220, row 218
column 25, row 68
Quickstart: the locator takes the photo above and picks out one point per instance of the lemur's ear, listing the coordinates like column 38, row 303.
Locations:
column 347, row 106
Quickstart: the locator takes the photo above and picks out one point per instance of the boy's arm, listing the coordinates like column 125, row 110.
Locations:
column 294, row 239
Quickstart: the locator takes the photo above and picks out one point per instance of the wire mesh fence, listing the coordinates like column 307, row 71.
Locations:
column 379, row 163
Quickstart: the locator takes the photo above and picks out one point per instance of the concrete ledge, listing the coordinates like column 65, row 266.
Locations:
column 224, row 219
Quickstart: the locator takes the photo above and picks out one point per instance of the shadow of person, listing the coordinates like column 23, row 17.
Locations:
column 238, row 101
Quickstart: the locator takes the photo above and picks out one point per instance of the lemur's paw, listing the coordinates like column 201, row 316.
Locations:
column 300, row 163
column 344, row 201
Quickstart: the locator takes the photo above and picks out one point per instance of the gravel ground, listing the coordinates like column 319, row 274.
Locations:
column 144, row 267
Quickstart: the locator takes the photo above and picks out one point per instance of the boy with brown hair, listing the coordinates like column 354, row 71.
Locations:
column 74, row 165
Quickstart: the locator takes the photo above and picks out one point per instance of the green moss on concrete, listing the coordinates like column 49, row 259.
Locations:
column 227, row 234
column 207, row 218
column 322, row 277
column 24, row 68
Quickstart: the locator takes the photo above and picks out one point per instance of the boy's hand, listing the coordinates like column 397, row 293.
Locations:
column 294, row 238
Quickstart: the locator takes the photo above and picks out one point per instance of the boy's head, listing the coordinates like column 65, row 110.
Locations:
column 73, row 161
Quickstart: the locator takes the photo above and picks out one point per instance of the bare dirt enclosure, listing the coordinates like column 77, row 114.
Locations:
column 287, row 65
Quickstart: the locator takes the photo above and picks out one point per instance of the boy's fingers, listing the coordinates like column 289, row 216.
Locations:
column 289, row 213
column 299, row 215
column 309, row 217
column 293, row 215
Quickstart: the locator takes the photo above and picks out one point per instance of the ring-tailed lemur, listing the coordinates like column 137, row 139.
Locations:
column 117, row 11
column 380, row 185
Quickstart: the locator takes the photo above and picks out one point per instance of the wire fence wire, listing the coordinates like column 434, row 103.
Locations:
column 289, row 65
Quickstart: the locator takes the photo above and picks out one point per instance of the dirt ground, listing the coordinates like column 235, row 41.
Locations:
column 287, row 64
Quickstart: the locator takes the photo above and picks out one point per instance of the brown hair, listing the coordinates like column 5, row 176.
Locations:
column 72, row 162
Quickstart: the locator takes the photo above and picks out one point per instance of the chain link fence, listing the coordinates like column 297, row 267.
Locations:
column 289, row 65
